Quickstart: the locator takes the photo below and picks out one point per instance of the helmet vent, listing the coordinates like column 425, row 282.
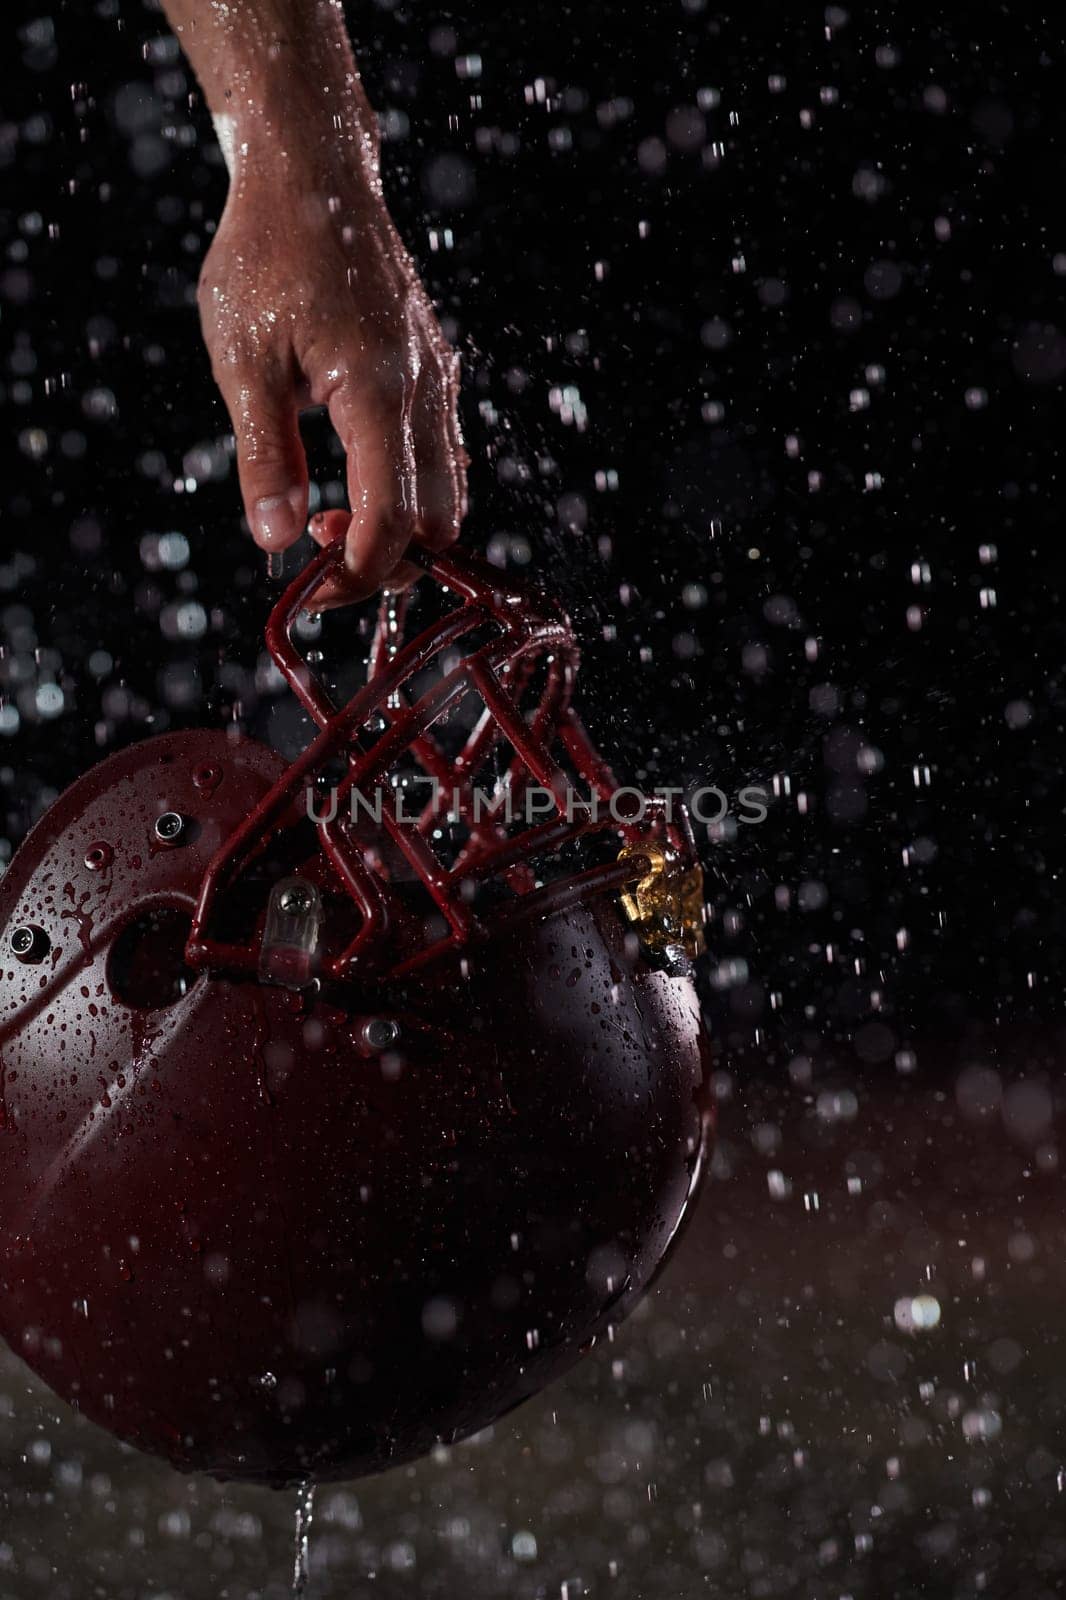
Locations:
column 146, row 968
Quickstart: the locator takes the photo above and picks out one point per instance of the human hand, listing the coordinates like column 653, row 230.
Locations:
column 308, row 297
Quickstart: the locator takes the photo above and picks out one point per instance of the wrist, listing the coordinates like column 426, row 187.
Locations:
column 293, row 108
column 303, row 145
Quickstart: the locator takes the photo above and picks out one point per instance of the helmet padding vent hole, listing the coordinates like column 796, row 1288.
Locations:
column 146, row 968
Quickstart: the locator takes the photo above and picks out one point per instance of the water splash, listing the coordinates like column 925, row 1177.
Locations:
column 301, row 1566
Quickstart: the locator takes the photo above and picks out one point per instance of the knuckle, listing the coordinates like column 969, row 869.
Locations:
column 368, row 369
column 326, row 374
column 385, row 328
column 231, row 360
column 259, row 438
column 206, row 287
column 383, row 395
column 387, row 356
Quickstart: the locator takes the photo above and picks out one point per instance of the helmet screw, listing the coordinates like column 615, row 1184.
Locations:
column 29, row 943
column 207, row 778
column 380, row 1032
column 170, row 827
column 295, row 901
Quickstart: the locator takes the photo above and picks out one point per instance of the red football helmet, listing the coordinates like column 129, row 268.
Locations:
column 333, row 1126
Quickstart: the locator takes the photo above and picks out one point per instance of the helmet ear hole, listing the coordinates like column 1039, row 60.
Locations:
column 146, row 968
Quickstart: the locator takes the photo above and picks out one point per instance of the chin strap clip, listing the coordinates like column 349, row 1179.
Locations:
column 665, row 906
column 288, row 954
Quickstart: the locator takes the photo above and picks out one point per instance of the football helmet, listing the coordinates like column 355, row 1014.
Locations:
column 346, row 1100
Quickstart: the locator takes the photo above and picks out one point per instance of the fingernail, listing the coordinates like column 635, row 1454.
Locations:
column 277, row 519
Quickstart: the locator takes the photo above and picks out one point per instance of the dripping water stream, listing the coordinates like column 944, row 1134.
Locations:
column 301, row 1564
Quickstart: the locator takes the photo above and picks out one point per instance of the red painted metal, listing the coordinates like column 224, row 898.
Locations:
column 530, row 629
column 231, row 1229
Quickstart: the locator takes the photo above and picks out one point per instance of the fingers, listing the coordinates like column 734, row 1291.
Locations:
column 325, row 526
column 340, row 589
column 372, row 424
column 440, row 480
column 394, row 413
column 460, row 455
column 270, row 456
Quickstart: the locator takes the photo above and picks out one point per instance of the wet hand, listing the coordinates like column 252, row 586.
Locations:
column 308, row 297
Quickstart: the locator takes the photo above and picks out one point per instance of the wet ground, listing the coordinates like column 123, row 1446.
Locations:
column 849, row 1382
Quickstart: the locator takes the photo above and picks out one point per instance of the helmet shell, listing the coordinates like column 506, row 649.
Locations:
column 237, row 1234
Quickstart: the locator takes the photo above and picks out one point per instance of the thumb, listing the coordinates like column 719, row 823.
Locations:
column 270, row 456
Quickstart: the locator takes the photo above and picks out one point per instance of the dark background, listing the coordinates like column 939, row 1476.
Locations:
column 823, row 352
column 858, row 247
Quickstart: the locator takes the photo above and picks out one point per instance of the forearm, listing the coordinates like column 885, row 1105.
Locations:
column 308, row 297
column 279, row 78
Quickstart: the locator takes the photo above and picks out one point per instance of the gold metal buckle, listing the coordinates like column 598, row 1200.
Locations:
column 666, row 905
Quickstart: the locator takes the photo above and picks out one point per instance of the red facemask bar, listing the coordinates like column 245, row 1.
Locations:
column 513, row 649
